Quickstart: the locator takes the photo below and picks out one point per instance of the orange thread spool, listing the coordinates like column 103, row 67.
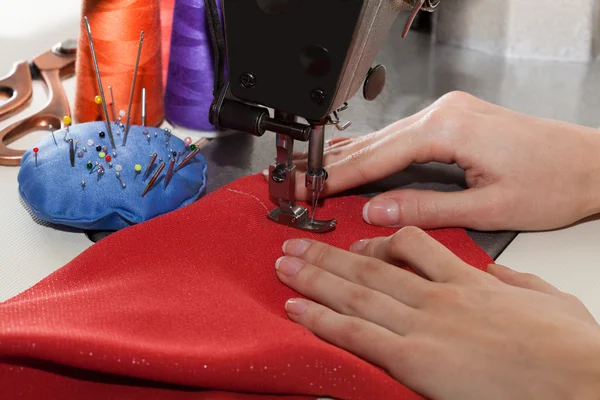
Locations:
column 166, row 25
column 116, row 26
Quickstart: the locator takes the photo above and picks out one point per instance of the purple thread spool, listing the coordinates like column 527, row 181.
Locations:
column 190, row 78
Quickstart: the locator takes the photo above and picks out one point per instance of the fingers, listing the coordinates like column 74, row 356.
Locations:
column 368, row 341
column 337, row 140
column 522, row 280
column 343, row 296
column 428, row 209
column 381, row 156
column 374, row 274
column 429, row 135
column 419, row 251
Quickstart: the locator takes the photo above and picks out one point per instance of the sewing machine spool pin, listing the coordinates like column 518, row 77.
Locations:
column 51, row 66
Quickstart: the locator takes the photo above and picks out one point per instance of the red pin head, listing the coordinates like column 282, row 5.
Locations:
column 108, row 158
column 35, row 149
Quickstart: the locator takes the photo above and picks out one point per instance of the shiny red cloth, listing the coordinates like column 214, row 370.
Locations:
column 189, row 300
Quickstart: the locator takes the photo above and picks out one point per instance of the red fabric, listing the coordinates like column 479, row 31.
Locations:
column 190, row 298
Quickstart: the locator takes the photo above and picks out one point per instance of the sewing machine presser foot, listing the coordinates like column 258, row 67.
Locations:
column 282, row 182
column 298, row 217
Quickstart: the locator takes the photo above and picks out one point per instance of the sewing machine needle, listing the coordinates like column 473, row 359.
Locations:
column 93, row 51
column 150, row 164
column 154, row 178
column 135, row 71
column 112, row 104
column 169, row 172
column 315, row 201
column 187, row 159
column 144, row 107
column 72, row 152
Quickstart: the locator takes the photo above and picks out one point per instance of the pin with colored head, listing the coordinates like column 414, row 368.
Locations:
column 121, row 115
column 118, row 121
column 51, row 128
column 98, row 100
column 138, row 169
column 187, row 143
column 167, row 136
column 67, row 122
column 100, row 171
column 92, row 167
column 123, row 185
column 35, row 154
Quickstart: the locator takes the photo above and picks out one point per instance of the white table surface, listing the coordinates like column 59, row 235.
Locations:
column 30, row 250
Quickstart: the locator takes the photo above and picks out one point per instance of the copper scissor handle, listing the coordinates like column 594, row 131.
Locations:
column 53, row 66
column 18, row 85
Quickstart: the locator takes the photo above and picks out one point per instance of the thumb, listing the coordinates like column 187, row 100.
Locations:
column 427, row 209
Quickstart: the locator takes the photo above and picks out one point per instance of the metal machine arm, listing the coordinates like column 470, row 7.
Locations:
column 303, row 59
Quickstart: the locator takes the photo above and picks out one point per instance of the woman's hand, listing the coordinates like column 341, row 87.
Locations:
column 453, row 332
column 523, row 173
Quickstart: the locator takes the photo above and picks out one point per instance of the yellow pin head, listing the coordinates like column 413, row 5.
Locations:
column 98, row 100
column 67, row 120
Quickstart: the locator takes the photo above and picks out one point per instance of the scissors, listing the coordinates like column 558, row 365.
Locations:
column 52, row 67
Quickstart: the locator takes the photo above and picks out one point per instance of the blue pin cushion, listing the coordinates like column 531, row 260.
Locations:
column 55, row 193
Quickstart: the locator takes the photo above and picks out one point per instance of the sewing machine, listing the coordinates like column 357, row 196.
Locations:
column 419, row 71
column 275, row 62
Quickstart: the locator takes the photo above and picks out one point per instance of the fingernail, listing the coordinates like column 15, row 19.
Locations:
column 265, row 172
column 295, row 247
column 366, row 213
column 288, row 266
column 296, row 306
column 359, row 246
column 382, row 212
